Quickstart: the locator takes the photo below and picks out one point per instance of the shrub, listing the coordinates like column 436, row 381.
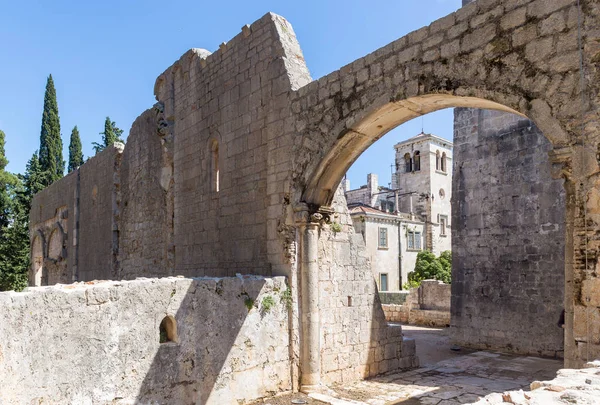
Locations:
column 429, row 267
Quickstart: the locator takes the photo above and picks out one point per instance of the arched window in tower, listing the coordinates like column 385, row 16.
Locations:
column 443, row 163
column 214, row 170
column 407, row 163
column 417, row 161
column 437, row 160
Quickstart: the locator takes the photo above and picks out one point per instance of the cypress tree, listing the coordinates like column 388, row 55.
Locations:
column 111, row 134
column 75, row 153
column 51, row 159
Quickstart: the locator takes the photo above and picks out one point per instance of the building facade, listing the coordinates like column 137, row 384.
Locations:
column 424, row 174
column 392, row 242
column 397, row 223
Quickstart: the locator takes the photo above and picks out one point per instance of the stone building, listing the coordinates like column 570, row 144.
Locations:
column 235, row 171
column 396, row 223
column 424, row 172
column 392, row 242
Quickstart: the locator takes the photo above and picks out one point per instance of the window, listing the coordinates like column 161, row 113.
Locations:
column 437, row 160
column 383, row 282
column 407, row 163
column 443, row 162
column 443, row 224
column 414, row 240
column 168, row 330
column 215, row 166
column 383, row 238
column 417, row 161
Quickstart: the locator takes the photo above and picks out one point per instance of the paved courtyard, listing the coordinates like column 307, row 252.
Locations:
column 448, row 377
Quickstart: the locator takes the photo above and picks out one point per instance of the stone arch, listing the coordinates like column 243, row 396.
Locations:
column 55, row 244
column 37, row 276
column 325, row 171
column 408, row 163
column 417, row 161
column 437, row 160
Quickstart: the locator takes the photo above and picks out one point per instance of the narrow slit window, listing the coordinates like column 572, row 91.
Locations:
column 215, row 166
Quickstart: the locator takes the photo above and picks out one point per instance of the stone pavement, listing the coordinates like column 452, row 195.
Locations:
column 459, row 380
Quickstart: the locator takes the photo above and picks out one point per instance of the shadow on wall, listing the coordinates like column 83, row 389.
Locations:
column 227, row 341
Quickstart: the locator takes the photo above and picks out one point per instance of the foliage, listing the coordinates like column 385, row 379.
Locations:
column 429, row 267
column 14, row 228
column 410, row 284
column 50, row 156
column 111, row 134
column 286, row 297
column 75, row 152
column 249, row 302
column 267, row 303
column 336, row 227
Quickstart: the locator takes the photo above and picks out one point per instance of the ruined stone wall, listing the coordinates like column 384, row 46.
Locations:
column 100, row 344
column 146, row 217
column 98, row 208
column 357, row 341
column 52, row 219
column 90, row 196
column 224, row 108
column 508, row 218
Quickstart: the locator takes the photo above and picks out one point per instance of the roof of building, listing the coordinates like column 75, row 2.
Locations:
column 422, row 137
column 363, row 209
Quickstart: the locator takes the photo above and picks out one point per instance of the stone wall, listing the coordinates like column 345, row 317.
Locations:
column 146, row 219
column 98, row 212
column 357, row 342
column 427, row 305
column 100, row 343
column 89, row 195
column 508, row 236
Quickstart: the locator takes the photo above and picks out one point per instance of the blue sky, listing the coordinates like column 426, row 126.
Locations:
column 104, row 57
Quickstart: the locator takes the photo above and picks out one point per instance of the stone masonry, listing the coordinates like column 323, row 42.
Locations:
column 99, row 343
column 243, row 153
column 509, row 223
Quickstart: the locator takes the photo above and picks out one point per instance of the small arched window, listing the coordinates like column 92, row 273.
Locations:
column 417, row 161
column 168, row 330
column 438, row 160
column 443, row 163
column 214, row 170
column 407, row 163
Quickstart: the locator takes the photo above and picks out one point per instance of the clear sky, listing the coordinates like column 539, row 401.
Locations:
column 105, row 55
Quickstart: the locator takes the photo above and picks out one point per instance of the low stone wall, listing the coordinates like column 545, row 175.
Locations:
column 427, row 305
column 89, row 343
column 393, row 297
column 402, row 314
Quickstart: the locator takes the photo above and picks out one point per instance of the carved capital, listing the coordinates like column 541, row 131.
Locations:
column 561, row 161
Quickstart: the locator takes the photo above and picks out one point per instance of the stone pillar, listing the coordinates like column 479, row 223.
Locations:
column 310, row 326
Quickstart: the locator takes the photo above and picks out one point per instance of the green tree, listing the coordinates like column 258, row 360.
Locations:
column 429, row 267
column 111, row 134
column 51, row 159
column 14, row 228
column 75, row 152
